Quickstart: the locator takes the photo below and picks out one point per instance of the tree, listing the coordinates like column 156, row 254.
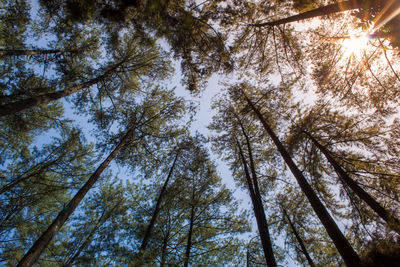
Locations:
column 187, row 27
column 379, row 12
column 102, row 207
column 135, row 59
column 309, row 230
column 34, row 253
column 209, row 228
column 130, row 137
column 393, row 222
column 358, row 149
column 309, row 131
column 347, row 252
column 239, row 137
column 257, row 203
column 298, row 237
column 321, row 11
column 366, row 78
column 40, row 183
column 158, row 203
column 197, row 219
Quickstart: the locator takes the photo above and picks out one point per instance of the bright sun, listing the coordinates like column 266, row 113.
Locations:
column 355, row 45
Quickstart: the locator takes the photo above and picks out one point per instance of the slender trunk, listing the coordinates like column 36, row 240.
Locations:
column 103, row 218
column 157, row 207
column 392, row 222
column 247, row 174
column 83, row 246
column 321, row 11
column 267, row 244
column 259, row 213
column 348, row 254
column 189, row 240
column 21, row 52
column 298, row 238
column 164, row 251
column 41, row 243
column 14, row 107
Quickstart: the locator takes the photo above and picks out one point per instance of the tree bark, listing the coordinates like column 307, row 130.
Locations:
column 157, row 207
column 392, row 222
column 348, row 254
column 298, row 238
column 189, row 240
column 321, row 11
column 21, row 52
column 41, row 243
column 259, row 212
column 20, row 105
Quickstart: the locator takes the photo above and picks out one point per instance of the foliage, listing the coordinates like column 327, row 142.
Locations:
column 80, row 80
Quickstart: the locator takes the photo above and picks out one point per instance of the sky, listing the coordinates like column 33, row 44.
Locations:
column 201, row 120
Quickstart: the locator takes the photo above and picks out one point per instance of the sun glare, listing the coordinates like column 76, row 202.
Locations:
column 355, row 45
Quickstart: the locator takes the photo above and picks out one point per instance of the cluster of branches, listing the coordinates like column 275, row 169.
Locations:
column 102, row 60
column 62, row 202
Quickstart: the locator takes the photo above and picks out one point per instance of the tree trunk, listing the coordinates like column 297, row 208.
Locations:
column 321, row 11
column 20, row 105
column 83, row 245
column 164, row 251
column 392, row 222
column 157, row 207
column 266, row 240
column 298, row 238
column 259, row 213
column 41, row 243
column 348, row 254
column 189, row 240
column 21, row 52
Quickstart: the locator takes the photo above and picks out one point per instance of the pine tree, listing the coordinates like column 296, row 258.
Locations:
column 135, row 132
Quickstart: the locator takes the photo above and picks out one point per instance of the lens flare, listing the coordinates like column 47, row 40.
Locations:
column 355, row 45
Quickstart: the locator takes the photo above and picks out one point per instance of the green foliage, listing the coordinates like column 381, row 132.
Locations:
column 110, row 62
column 35, row 187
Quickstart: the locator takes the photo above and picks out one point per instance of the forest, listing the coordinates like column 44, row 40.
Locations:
column 101, row 164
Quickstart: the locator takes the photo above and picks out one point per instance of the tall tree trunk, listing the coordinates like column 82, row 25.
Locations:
column 42, row 242
column 298, row 238
column 348, row 254
column 392, row 222
column 270, row 258
column 321, row 11
column 20, row 105
column 158, row 204
column 258, row 212
column 21, row 52
column 189, row 239
column 164, row 250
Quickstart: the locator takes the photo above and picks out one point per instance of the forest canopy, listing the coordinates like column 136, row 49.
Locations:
column 101, row 163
